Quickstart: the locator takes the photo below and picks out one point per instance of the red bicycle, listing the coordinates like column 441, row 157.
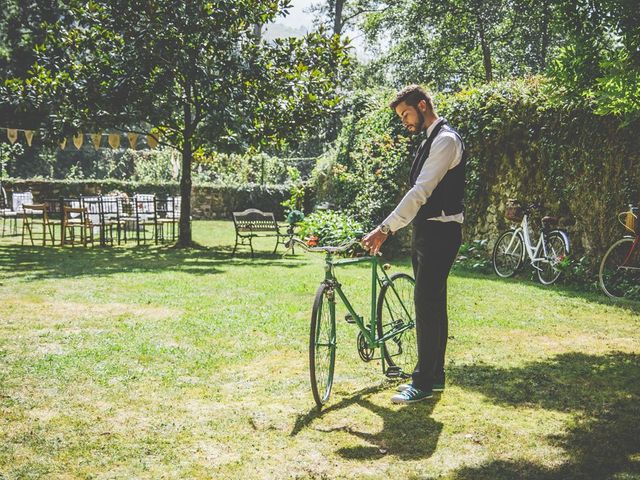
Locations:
column 619, row 274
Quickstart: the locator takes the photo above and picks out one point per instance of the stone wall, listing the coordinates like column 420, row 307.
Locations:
column 207, row 201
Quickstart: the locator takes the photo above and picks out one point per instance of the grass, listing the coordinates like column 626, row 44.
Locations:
column 151, row 362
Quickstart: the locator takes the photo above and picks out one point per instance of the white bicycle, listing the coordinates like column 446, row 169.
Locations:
column 512, row 246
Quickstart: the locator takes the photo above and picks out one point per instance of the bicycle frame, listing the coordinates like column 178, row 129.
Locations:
column 634, row 245
column 377, row 280
column 531, row 251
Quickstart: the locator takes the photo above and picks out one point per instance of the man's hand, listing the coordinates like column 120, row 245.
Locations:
column 373, row 240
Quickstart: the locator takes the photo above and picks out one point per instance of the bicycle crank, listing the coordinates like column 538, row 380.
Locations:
column 364, row 350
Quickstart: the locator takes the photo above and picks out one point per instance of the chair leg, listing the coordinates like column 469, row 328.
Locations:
column 251, row 245
column 27, row 224
column 235, row 247
column 277, row 243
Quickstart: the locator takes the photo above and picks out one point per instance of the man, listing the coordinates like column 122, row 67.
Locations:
column 435, row 206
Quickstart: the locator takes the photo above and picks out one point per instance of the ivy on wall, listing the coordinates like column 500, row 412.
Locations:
column 522, row 143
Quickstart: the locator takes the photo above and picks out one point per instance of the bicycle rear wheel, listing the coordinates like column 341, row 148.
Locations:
column 322, row 344
column 508, row 254
column 557, row 251
column 619, row 274
column 396, row 309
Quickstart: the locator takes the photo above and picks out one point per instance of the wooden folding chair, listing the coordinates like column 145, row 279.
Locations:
column 34, row 216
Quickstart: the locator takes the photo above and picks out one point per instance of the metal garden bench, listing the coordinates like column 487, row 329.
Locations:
column 254, row 223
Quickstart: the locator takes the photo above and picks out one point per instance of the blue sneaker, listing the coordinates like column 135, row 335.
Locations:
column 411, row 395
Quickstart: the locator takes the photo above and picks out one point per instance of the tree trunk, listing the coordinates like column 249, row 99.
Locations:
column 337, row 19
column 257, row 30
column 544, row 43
column 486, row 52
column 185, row 239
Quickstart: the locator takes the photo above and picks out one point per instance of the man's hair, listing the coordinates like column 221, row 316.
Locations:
column 412, row 95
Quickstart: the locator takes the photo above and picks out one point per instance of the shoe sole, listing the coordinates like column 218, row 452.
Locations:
column 407, row 402
column 434, row 389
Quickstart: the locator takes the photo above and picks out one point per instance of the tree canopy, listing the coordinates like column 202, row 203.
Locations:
column 190, row 72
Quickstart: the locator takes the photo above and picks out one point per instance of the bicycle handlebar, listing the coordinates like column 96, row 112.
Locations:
column 343, row 247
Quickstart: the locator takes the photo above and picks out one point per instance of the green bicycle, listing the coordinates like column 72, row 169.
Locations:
column 391, row 329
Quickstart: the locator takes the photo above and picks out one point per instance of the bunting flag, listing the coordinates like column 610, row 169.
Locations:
column 114, row 140
column 96, row 138
column 12, row 135
column 152, row 141
column 28, row 134
column 133, row 139
column 78, row 140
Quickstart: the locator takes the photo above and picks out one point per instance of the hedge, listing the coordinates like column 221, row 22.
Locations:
column 522, row 142
column 209, row 201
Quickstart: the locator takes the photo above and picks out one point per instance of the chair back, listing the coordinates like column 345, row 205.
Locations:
column 173, row 206
column 20, row 198
column 93, row 207
column 144, row 204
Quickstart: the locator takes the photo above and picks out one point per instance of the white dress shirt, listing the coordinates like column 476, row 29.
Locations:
column 445, row 154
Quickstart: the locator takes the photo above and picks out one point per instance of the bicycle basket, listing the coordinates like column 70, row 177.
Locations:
column 630, row 220
column 514, row 211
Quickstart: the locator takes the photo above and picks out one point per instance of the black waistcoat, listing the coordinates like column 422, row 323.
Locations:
column 448, row 196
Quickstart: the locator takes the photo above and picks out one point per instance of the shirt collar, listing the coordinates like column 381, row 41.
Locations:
column 433, row 125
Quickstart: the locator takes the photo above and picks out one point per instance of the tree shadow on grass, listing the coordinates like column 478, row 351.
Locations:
column 17, row 261
column 571, row 291
column 408, row 432
column 601, row 392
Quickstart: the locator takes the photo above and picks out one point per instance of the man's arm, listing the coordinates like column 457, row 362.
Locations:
column 445, row 154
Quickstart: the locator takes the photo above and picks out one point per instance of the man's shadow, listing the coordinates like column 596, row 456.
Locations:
column 602, row 392
column 408, row 432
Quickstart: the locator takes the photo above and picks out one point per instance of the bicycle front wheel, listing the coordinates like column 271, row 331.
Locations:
column 396, row 310
column 322, row 344
column 508, row 254
column 619, row 274
column 557, row 250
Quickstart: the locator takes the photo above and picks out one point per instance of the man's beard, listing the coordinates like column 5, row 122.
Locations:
column 418, row 128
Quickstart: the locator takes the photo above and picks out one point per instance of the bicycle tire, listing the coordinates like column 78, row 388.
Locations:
column 506, row 264
column 616, row 283
column 399, row 351
column 322, row 344
column 559, row 250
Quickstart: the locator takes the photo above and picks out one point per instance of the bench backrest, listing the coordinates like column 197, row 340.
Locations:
column 255, row 220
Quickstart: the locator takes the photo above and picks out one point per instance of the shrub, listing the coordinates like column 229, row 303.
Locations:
column 330, row 228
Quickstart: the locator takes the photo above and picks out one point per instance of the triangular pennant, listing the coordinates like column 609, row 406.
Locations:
column 63, row 143
column 152, row 140
column 114, row 140
column 133, row 139
column 12, row 135
column 28, row 134
column 96, row 138
column 78, row 140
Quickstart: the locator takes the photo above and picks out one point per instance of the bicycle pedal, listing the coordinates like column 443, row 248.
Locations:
column 349, row 318
column 393, row 372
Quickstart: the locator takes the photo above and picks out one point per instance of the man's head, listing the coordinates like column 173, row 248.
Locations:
column 414, row 107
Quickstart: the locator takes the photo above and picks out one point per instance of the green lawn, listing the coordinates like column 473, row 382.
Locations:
column 150, row 362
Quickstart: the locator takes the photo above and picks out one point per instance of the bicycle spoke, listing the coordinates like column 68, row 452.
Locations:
column 396, row 310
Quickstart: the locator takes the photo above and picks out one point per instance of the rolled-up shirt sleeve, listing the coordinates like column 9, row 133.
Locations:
column 442, row 157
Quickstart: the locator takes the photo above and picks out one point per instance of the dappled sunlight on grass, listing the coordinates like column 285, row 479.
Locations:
column 144, row 362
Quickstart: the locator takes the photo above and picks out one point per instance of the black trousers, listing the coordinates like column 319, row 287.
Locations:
column 434, row 248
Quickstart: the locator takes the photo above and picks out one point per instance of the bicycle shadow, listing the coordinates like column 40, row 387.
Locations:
column 408, row 432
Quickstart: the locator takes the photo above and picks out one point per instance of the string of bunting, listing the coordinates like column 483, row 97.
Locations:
column 113, row 139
